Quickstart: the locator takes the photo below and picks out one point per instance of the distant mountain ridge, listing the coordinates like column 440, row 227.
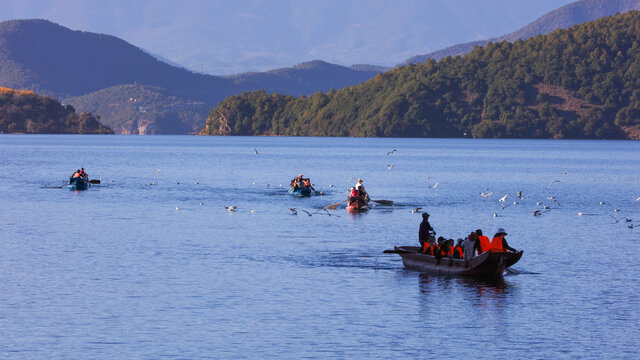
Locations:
column 561, row 18
column 52, row 60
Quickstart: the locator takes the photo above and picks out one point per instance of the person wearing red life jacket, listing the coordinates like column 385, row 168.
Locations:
column 484, row 242
column 458, row 253
column 499, row 243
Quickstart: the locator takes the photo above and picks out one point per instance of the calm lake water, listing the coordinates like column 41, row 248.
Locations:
column 117, row 272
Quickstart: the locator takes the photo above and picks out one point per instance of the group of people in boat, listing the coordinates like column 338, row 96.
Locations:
column 358, row 192
column 79, row 174
column 473, row 244
column 300, row 182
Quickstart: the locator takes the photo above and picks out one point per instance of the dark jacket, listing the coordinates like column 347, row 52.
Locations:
column 424, row 232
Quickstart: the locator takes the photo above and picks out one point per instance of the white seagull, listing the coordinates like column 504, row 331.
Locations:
column 504, row 198
column 486, row 195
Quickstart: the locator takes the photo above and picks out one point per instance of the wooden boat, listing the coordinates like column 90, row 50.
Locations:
column 357, row 204
column 486, row 264
column 78, row 183
column 300, row 192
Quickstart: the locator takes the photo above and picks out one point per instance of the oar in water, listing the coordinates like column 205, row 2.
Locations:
column 95, row 181
column 384, row 202
column 334, row 206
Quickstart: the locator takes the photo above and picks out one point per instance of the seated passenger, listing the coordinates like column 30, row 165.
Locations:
column 499, row 243
column 307, row 183
column 457, row 250
column 470, row 244
column 484, row 242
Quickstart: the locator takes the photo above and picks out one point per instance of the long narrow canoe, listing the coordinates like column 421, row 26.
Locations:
column 486, row 264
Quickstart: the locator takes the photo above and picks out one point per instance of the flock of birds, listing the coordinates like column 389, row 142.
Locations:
column 502, row 201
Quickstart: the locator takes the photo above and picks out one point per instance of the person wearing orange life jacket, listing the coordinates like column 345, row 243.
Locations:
column 485, row 243
column 499, row 243
column 457, row 250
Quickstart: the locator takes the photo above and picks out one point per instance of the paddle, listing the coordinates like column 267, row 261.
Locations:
column 397, row 251
column 384, row 202
column 314, row 190
column 95, row 181
column 334, row 206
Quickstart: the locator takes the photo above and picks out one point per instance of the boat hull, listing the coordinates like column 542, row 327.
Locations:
column 485, row 264
column 300, row 192
column 79, row 184
column 355, row 205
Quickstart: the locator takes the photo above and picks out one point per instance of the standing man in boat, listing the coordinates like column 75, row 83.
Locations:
column 426, row 231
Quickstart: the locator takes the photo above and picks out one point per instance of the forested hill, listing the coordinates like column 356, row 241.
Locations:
column 583, row 82
column 26, row 112
column 561, row 18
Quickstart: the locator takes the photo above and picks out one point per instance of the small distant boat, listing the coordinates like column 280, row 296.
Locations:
column 486, row 264
column 78, row 183
column 357, row 204
column 301, row 187
column 300, row 192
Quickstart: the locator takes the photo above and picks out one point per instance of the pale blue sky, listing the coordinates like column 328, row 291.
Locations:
column 226, row 37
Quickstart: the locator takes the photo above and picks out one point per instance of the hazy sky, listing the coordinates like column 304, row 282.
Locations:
column 226, row 37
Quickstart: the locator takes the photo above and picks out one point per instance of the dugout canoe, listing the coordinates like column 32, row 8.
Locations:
column 300, row 192
column 78, row 183
column 486, row 264
column 357, row 204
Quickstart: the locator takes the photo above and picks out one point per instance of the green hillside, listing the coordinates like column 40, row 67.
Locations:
column 583, row 82
column 144, row 110
column 26, row 112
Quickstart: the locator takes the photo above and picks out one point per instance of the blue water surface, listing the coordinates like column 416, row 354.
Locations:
column 149, row 264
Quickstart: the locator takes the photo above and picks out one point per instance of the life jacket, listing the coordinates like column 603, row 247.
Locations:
column 485, row 244
column 444, row 252
column 496, row 244
column 426, row 248
column 457, row 252
column 355, row 192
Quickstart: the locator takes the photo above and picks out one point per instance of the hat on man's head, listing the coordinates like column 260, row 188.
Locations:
column 501, row 232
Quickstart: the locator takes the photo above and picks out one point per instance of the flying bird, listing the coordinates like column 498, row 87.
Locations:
column 520, row 194
column 308, row 213
column 230, row 208
column 616, row 220
column 504, row 198
column 415, row 210
column 391, row 152
column 554, row 199
column 486, row 195
column 157, row 171
column 434, row 185
column 256, row 151
column 293, row 211
column 538, row 212
column 389, row 166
